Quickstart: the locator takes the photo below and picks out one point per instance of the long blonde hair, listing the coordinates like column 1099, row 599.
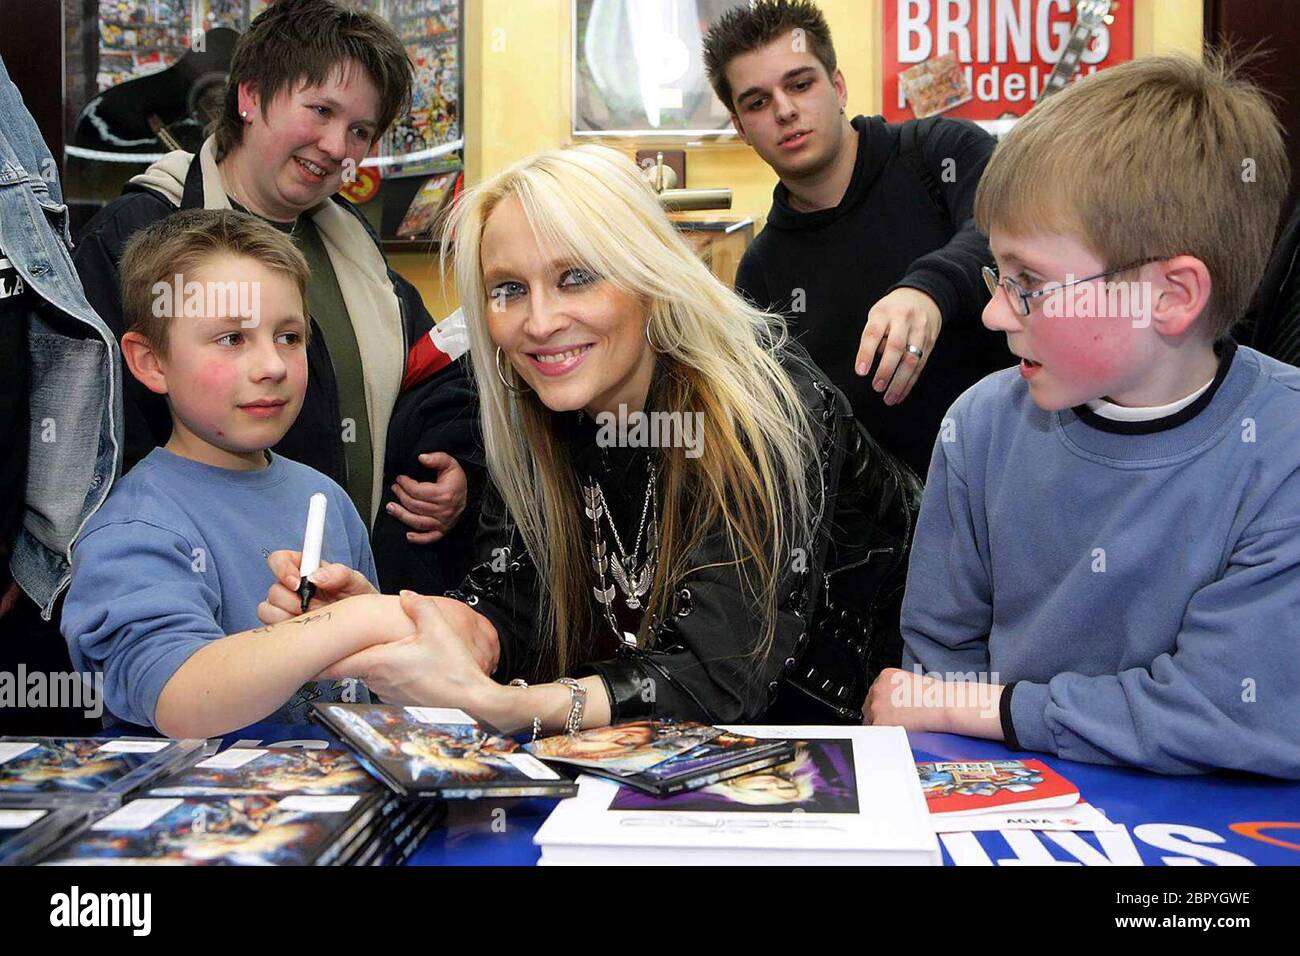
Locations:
column 718, row 355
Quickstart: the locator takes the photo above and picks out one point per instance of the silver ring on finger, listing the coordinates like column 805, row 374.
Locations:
column 916, row 350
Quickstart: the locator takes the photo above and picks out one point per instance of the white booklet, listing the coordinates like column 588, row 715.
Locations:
column 851, row 795
column 1081, row 816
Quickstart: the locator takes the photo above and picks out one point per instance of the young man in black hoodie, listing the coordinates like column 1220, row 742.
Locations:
column 869, row 248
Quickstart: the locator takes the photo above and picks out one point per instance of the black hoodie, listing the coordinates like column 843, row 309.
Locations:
column 889, row 231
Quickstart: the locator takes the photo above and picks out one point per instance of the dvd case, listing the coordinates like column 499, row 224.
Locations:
column 431, row 752
column 387, row 809
column 663, row 757
column 267, row 772
column 394, row 841
column 28, row 833
column 41, row 770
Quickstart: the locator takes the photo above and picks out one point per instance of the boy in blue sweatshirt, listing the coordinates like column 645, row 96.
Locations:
column 1107, row 562
column 167, row 576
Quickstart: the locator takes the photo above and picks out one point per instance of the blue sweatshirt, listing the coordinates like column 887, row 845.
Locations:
column 1137, row 583
column 176, row 558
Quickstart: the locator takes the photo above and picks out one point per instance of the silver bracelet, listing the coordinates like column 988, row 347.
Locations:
column 577, row 703
column 537, row 721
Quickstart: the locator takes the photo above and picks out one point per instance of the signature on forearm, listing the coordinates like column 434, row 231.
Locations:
column 305, row 619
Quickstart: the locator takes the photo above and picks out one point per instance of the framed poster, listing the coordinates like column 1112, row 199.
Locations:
column 136, row 39
column 638, row 70
column 428, row 137
column 1004, row 52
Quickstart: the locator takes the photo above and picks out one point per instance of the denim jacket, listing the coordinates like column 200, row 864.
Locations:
column 75, row 398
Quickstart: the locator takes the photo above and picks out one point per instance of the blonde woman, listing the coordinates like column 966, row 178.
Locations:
column 684, row 514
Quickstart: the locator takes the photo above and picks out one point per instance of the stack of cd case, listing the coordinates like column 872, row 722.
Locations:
column 331, row 771
column 663, row 757
column 53, row 787
column 258, row 807
column 438, row 752
column 244, row 830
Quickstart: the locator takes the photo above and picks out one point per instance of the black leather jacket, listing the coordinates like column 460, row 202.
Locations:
column 837, row 619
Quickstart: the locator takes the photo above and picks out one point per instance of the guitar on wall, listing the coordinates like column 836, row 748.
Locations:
column 141, row 118
column 1089, row 17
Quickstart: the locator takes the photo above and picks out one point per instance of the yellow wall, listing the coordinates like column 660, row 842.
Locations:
column 421, row 270
column 517, row 94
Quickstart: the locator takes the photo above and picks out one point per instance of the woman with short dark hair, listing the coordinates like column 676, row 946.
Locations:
column 312, row 86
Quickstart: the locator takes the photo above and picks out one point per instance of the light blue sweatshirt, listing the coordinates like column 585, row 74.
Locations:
column 176, row 558
column 1141, row 590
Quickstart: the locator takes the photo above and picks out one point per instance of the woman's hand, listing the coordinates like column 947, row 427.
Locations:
column 333, row 583
column 475, row 628
column 435, row 667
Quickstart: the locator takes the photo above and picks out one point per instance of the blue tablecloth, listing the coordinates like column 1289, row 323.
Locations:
column 1217, row 819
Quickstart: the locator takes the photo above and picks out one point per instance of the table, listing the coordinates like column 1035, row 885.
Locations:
column 1219, row 819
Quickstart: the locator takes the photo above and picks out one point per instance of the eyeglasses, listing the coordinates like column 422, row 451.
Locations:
column 1016, row 292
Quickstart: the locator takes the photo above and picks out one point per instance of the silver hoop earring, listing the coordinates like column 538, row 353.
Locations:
column 655, row 349
column 502, row 375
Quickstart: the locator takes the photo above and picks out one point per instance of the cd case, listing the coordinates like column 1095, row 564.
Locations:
column 268, row 772
column 663, row 757
column 47, row 770
column 27, row 833
column 439, row 752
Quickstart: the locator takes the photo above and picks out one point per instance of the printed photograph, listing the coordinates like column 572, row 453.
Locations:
column 625, row 748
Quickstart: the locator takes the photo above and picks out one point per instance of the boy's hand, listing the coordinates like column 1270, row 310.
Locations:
column 333, row 583
column 919, row 703
column 898, row 698
column 430, row 508
column 902, row 318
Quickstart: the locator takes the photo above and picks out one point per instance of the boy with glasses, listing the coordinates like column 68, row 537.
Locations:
column 1108, row 551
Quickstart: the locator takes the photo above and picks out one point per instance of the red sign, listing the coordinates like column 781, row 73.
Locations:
column 1006, row 48
column 362, row 187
